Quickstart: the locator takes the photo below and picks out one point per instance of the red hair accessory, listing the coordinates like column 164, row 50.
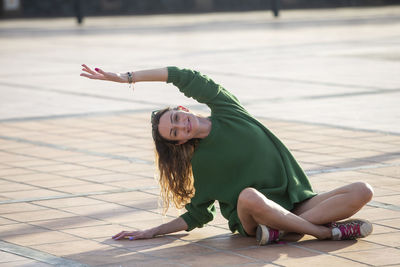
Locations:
column 183, row 108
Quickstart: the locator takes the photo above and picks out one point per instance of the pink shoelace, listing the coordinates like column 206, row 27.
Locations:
column 273, row 235
column 350, row 230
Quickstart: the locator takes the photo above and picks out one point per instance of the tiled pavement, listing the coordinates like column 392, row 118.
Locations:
column 76, row 166
column 68, row 184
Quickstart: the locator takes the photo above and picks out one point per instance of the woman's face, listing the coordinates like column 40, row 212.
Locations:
column 178, row 125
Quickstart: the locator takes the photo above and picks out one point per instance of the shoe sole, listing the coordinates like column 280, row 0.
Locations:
column 261, row 235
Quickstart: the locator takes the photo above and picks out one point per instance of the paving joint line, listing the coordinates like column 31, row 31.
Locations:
column 345, row 169
column 281, row 79
column 122, row 190
column 332, row 126
column 377, row 204
column 72, row 149
column 324, row 253
column 38, row 255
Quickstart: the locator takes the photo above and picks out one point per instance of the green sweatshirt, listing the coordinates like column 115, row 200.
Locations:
column 239, row 152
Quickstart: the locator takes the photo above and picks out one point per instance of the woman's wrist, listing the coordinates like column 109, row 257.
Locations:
column 155, row 231
column 123, row 77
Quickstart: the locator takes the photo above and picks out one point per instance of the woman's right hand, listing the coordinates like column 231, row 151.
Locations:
column 98, row 74
column 146, row 234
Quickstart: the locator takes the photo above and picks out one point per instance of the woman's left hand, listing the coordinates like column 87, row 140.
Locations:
column 98, row 74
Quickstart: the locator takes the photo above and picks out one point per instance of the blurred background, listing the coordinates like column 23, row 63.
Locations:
column 62, row 8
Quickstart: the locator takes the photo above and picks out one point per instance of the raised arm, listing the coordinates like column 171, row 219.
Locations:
column 173, row 226
column 153, row 75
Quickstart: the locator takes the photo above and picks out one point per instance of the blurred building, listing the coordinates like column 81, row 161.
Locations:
column 61, row 8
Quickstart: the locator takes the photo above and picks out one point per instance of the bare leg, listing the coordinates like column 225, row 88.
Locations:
column 254, row 208
column 341, row 203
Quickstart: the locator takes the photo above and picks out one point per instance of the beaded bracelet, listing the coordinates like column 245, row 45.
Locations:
column 130, row 79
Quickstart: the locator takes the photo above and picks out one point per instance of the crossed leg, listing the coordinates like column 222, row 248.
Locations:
column 309, row 216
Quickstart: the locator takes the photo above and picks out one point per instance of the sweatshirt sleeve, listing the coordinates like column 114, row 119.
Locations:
column 198, row 214
column 193, row 84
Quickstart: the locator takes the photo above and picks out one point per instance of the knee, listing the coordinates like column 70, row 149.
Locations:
column 363, row 191
column 249, row 198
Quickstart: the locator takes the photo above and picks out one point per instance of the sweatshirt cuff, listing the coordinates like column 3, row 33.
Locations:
column 189, row 221
column 173, row 74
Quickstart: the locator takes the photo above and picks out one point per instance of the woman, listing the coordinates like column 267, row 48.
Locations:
column 232, row 158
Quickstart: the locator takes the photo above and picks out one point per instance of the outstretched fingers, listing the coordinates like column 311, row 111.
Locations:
column 98, row 74
column 124, row 234
column 87, row 69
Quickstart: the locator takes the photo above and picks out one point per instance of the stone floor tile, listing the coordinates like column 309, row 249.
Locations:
column 393, row 199
column 9, row 257
column 381, row 228
column 215, row 259
column 70, row 247
column 26, row 178
column 96, row 231
column 386, row 239
column 206, row 233
column 137, row 245
column 68, row 202
column 25, row 263
column 83, row 172
column 146, row 204
column 379, row 192
column 231, row 242
column 393, row 223
column 68, row 223
column 12, row 187
column 99, row 211
column 56, row 182
column 384, row 256
column 175, row 249
column 386, row 171
column 19, row 229
column 377, row 214
column 29, row 194
column 393, row 188
column 134, row 183
column 110, row 256
column 146, row 223
column 45, row 214
column 4, row 221
column 334, row 247
column 10, row 172
column 86, row 188
column 273, row 253
column 58, row 168
column 109, row 178
column 329, row 185
column 38, row 238
column 124, row 197
column 125, row 217
column 18, row 207
column 318, row 260
column 148, row 262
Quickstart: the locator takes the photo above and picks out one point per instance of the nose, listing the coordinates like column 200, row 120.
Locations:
column 181, row 124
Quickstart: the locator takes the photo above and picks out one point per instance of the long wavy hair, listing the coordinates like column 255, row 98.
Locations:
column 174, row 166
